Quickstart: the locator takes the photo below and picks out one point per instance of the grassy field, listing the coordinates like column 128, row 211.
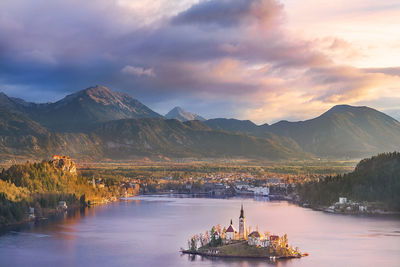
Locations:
column 152, row 170
column 242, row 249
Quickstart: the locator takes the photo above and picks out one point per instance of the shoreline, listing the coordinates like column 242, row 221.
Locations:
column 325, row 209
column 189, row 252
column 282, row 198
column 55, row 213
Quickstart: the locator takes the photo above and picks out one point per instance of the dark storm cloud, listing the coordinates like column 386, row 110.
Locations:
column 228, row 13
column 56, row 45
column 235, row 50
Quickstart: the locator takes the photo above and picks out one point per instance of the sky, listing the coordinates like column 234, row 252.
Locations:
column 263, row 60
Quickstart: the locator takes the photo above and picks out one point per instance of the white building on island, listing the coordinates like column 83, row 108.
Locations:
column 256, row 239
column 230, row 233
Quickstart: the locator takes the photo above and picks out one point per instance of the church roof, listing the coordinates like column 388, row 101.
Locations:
column 274, row 238
column 230, row 229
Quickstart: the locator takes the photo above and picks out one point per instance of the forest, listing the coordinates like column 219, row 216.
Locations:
column 375, row 179
column 42, row 186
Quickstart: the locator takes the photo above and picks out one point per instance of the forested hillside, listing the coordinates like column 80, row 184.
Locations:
column 42, row 186
column 98, row 123
column 375, row 179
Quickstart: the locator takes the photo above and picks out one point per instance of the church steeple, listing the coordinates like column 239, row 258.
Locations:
column 242, row 225
column 241, row 212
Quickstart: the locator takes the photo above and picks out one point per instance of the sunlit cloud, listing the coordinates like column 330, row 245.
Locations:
column 138, row 71
column 263, row 60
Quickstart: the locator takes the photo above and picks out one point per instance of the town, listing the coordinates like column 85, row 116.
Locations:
column 208, row 180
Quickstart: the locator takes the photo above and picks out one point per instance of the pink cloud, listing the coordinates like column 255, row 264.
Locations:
column 239, row 52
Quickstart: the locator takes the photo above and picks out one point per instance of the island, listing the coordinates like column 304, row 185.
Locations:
column 244, row 243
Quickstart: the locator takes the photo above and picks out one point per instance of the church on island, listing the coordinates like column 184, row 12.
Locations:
column 229, row 242
column 253, row 238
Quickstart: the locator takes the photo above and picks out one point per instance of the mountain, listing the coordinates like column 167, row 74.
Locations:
column 81, row 110
column 174, row 138
column 97, row 122
column 7, row 103
column 17, row 124
column 343, row 131
column 182, row 115
column 20, row 136
column 18, row 133
column 234, row 125
column 91, row 131
column 85, row 108
column 128, row 138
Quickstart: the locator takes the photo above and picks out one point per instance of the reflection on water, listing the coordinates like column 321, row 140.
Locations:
column 238, row 262
column 149, row 231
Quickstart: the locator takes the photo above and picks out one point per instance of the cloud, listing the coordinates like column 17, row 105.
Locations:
column 138, row 71
column 394, row 71
column 237, row 57
column 229, row 13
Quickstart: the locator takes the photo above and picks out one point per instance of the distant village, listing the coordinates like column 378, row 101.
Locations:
column 223, row 184
column 213, row 184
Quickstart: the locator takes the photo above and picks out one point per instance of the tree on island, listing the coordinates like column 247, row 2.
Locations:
column 215, row 241
column 285, row 240
column 219, row 229
column 201, row 239
column 206, row 238
column 192, row 243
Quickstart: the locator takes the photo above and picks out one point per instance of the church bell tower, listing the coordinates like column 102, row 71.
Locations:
column 242, row 224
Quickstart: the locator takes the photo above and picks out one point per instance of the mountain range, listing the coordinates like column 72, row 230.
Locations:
column 342, row 131
column 182, row 115
column 82, row 110
column 98, row 123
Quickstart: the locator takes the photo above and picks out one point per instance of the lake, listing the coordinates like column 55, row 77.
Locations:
column 150, row 230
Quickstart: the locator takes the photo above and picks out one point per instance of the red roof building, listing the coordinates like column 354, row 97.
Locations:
column 230, row 229
column 274, row 238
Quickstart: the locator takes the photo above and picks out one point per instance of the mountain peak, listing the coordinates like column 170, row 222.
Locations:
column 7, row 102
column 178, row 109
column 98, row 89
column 344, row 108
column 354, row 111
column 182, row 115
column 99, row 94
column 344, row 131
column 90, row 106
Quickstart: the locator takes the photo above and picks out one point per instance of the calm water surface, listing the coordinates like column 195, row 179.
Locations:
column 149, row 231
